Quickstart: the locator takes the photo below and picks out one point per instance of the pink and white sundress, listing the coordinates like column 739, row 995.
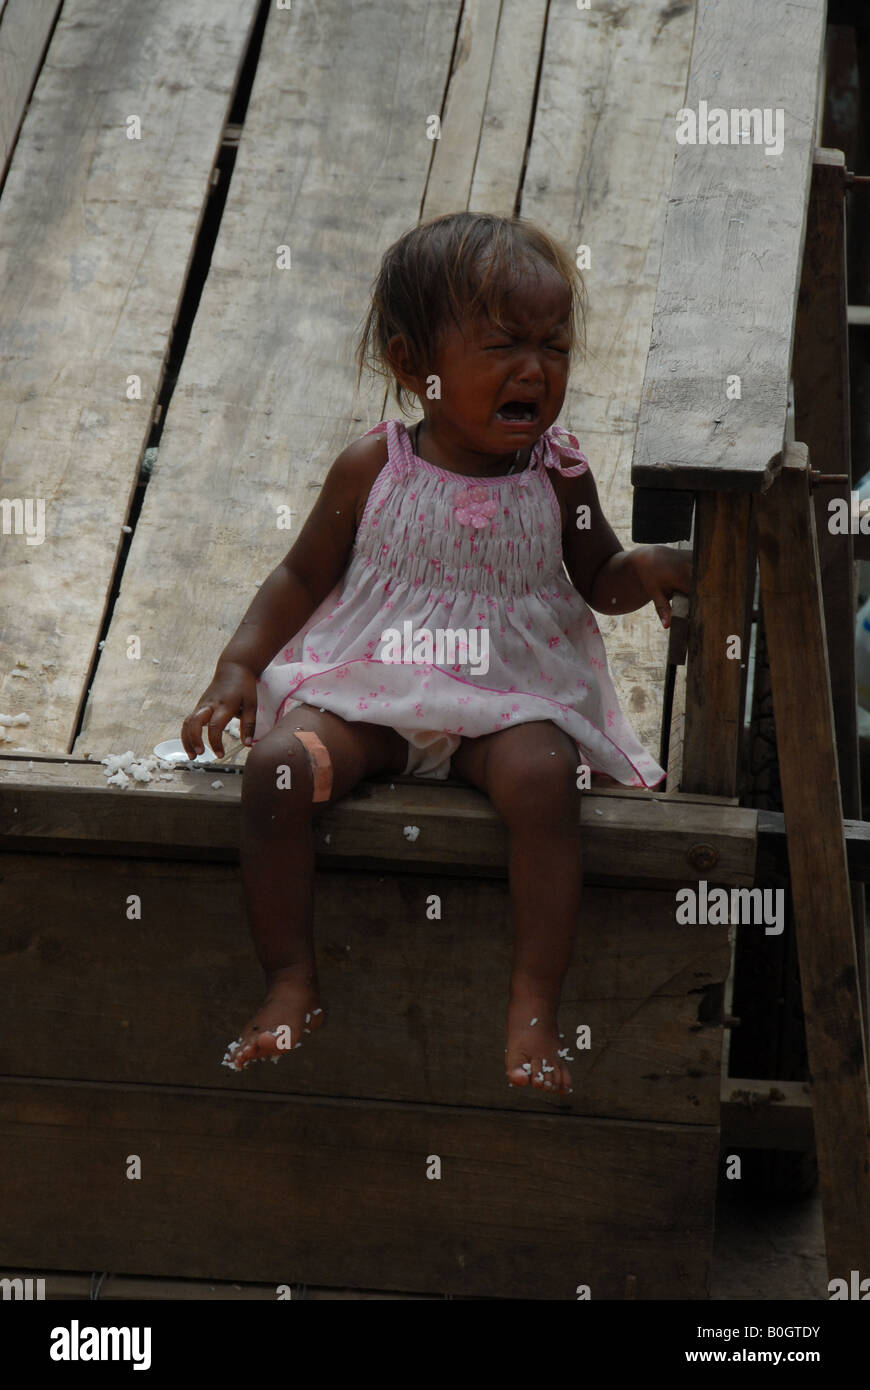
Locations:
column 439, row 552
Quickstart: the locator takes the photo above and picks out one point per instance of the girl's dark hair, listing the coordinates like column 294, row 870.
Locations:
column 451, row 267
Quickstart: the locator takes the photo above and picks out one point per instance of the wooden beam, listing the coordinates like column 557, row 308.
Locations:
column 718, row 608
column 773, row 846
column 821, row 386
column 794, row 625
column 664, row 839
column 732, row 253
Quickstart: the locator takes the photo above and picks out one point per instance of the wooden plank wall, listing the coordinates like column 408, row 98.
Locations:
column 265, row 400
column 417, row 1005
column 535, row 1196
column 598, row 174
column 242, row 427
column 95, row 235
column 331, row 1192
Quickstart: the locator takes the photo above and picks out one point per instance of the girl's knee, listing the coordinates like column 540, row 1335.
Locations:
column 278, row 768
column 535, row 778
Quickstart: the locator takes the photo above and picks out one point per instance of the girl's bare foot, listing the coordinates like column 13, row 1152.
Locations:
column 291, row 1012
column 533, row 1045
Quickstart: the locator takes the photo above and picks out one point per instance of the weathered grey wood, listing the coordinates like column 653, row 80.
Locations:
column 478, row 162
column 25, row 26
column 817, row 859
column 648, row 988
column 655, row 837
column 96, row 233
column 613, row 171
column 265, row 400
column 732, row 255
column 662, row 56
column 598, row 172
column 270, row 1188
column 714, row 715
column 510, row 107
column 455, row 153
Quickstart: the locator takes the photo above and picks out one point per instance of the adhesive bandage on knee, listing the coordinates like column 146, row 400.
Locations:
column 321, row 766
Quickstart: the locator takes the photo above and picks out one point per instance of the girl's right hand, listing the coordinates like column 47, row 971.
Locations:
column 232, row 692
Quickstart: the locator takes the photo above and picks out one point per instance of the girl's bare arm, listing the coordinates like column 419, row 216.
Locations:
column 284, row 602
column 611, row 579
column 309, row 570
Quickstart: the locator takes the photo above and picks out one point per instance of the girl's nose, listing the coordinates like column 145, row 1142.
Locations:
column 531, row 367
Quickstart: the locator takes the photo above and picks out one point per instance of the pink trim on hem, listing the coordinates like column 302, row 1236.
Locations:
column 489, row 690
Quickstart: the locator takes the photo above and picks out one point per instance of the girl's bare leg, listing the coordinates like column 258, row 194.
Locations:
column 277, row 863
column 529, row 774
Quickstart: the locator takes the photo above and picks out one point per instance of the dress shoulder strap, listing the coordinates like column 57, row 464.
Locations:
column 400, row 455
column 559, row 443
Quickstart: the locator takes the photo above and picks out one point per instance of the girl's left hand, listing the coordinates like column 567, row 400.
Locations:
column 663, row 572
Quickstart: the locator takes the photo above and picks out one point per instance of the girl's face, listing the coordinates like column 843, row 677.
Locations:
column 501, row 388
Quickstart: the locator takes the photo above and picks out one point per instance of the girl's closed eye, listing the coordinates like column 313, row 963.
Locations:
column 502, row 347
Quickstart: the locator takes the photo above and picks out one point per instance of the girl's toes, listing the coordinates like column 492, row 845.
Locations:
column 551, row 1075
column 237, row 1054
column 519, row 1075
column 250, row 1050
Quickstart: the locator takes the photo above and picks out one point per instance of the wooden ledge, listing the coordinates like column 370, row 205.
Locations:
column 636, row 836
column 767, row 1114
column 773, row 846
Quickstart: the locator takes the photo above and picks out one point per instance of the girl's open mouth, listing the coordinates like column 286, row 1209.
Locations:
column 518, row 412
